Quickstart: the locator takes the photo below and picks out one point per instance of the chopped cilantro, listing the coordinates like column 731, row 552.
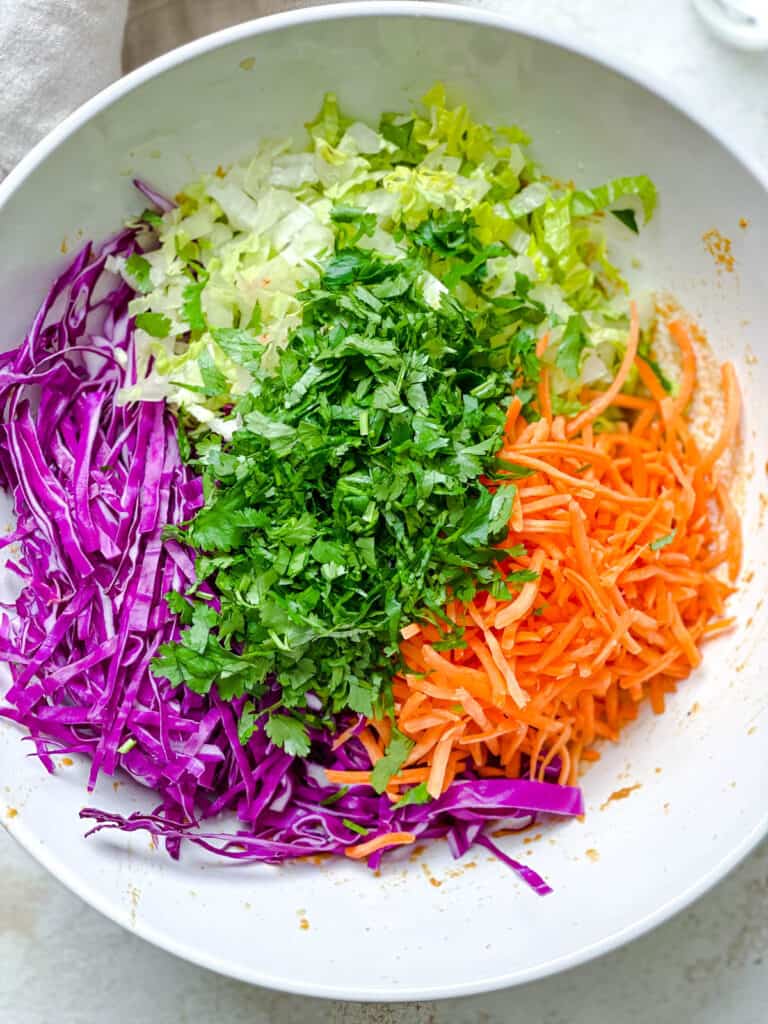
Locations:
column 358, row 224
column 398, row 750
column 499, row 588
column 155, row 324
column 335, row 797
column 214, row 381
column 568, row 357
column 247, row 724
column 451, row 238
column 662, row 542
column 521, row 576
column 152, row 217
column 399, row 130
column 415, row 795
column 354, row 827
column 628, row 218
column 240, row 345
column 138, row 269
column 512, row 470
column 192, row 307
column 349, row 502
column 289, row 733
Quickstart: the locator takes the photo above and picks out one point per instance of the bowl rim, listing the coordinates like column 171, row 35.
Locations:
column 440, row 11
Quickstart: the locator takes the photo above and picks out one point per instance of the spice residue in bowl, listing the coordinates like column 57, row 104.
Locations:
column 720, row 248
column 620, row 794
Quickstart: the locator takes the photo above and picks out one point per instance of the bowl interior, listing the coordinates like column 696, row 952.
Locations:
column 428, row 927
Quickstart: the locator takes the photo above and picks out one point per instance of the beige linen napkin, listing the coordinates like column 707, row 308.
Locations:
column 155, row 26
column 55, row 54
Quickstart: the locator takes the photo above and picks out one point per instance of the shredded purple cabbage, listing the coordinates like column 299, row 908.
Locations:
column 93, row 485
column 156, row 198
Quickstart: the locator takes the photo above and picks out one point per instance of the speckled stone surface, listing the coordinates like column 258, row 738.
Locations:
column 60, row 961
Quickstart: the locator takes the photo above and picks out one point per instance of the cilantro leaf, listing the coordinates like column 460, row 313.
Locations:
column 628, row 219
column 399, row 130
column 359, row 830
column 520, row 576
column 568, row 357
column 179, row 663
column 247, row 724
column 415, row 795
column 360, row 698
column 334, row 798
column 204, row 618
column 500, row 587
column 192, row 306
column 214, row 527
column 349, row 500
column 179, row 605
column 662, row 542
column 214, row 381
column 139, row 269
column 360, row 224
column 289, row 733
column 512, row 470
column 240, row 345
column 397, row 751
column 155, row 324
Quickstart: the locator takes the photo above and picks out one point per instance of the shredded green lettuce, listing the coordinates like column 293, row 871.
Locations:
column 219, row 287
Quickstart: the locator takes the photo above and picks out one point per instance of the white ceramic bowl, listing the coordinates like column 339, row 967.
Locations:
column 702, row 768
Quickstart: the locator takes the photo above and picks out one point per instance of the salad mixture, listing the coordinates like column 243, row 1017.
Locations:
column 352, row 506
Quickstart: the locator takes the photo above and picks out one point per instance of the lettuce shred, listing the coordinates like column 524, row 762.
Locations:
column 241, row 244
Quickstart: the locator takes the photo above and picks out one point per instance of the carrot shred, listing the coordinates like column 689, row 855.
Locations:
column 545, row 401
column 600, row 404
column 619, row 532
column 372, row 746
column 730, row 420
column 680, row 334
column 512, row 414
column 342, row 738
column 362, row 850
column 734, row 547
column 522, row 604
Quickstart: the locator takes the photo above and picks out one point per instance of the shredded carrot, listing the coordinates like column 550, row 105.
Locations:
column 545, row 401
column 362, row 850
column 372, row 746
column 652, row 383
column 730, row 422
column 342, row 738
column 623, row 529
column 679, row 332
column 598, row 406
column 512, row 414
column 516, row 609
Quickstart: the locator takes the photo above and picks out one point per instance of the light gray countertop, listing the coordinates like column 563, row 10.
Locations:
column 60, row 961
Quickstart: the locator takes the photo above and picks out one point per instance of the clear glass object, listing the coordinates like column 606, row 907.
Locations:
column 741, row 23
